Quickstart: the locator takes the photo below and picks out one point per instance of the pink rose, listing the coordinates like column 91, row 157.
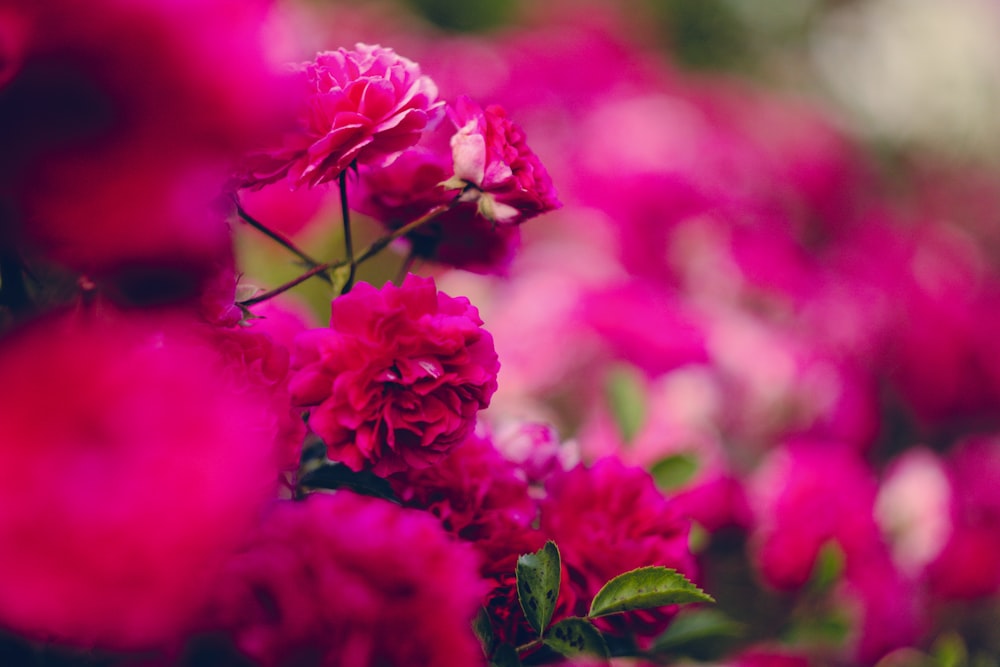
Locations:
column 410, row 187
column 364, row 105
column 397, row 379
column 493, row 162
column 346, row 580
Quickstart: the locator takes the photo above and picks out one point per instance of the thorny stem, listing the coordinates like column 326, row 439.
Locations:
column 348, row 243
column 375, row 248
column 279, row 238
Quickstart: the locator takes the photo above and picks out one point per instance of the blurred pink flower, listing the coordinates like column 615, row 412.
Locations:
column 490, row 153
column 346, row 580
column 109, row 174
column 966, row 566
column 608, row 519
column 397, row 379
column 363, row 106
column 479, row 497
column 131, row 463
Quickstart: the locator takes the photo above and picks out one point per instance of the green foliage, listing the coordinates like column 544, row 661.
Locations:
column 674, row 471
column 538, row 585
column 331, row 475
column 625, row 393
column 700, row 633
column 505, row 656
column 576, row 636
column 645, row 588
column 828, row 568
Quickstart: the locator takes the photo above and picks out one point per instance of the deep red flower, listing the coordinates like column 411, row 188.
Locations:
column 397, row 379
column 351, row 581
column 363, row 105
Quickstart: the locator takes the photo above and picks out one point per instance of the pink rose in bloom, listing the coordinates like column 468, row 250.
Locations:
column 410, row 187
column 491, row 155
column 131, row 465
column 363, row 106
column 350, row 581
column 479, row 497
column 608, row 519
column 397, row 379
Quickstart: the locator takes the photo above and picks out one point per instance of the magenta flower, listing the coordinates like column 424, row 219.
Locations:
column 494, row 163
column 119, row 499
column 346, row 580
column 479, row 497
column 363, row 106
column 397, row 379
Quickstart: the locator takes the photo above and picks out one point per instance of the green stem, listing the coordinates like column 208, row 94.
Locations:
column 270, row 294
column 348, row 243
column 533, row 644
column 375, row 248
column 279, row 238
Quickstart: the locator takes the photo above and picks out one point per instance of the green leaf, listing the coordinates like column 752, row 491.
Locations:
column 505, row 656
column 574, row 636
column 828, row 567
column 483, row 628
column 331, row 475
column 949, row 651
column 696, row 626
column 674, row 471
column 625, row 392
column 339, row 277
column 538, row 585
column 645, row 588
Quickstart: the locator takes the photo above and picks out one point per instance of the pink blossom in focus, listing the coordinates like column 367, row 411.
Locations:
column 397, row 379
column 130, row 465
column 491, row 154
column 410, row 187
column 608, row 519
column 347, row 580
column 363, row 106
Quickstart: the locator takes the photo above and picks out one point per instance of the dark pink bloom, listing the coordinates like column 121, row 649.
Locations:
column 410, row 187
column 131, row 464
column 608, row 519
column 397, row 379
column 491, row 155
column 479, row 497
column 363, row 106
column 345, row 580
